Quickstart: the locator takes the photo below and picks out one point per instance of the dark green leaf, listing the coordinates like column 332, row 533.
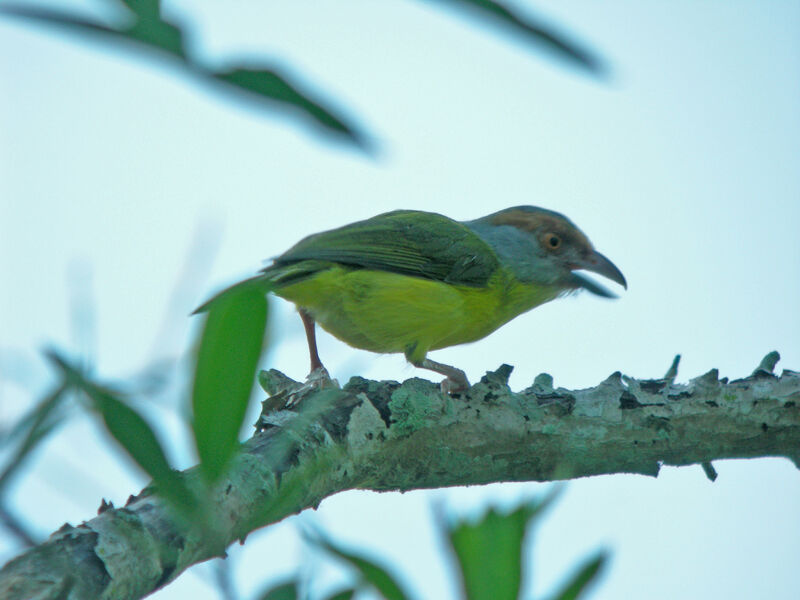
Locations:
column 225, row 372
column 266, row 84
column 151, row 32
column 133, row 433
column 38, row 424
column 583, row 577
column 137, row 437
column 343, row 595
column 58, row 18
column 262, row 85
column 284, row 591
column 159, row 34
column 371, row 573
column 541, row 34
column 145, row 8
column 490, row 551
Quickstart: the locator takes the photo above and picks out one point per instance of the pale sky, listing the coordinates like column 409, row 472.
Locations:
column 683, row 168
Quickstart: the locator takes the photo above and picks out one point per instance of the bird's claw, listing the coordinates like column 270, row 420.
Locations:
column 318, row 379
column 455, row 384
column 456, row 380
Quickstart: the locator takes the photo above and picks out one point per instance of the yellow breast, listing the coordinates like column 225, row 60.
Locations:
column 387, row 312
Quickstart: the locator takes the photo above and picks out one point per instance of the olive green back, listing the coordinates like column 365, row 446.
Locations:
column 407, row 242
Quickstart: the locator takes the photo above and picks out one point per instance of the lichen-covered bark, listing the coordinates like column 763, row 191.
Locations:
column 388, row 436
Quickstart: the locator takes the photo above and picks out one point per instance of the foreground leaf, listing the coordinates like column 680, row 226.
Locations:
column 371, row 573
column 284, row 591
column 133, row 433
column 144, row 8
column 38, row 425
column 490, row 551
column 224, row 374
column 543, row 35
column 60, row 19
column 149, row 30
column 347, row 594
column 266, row 84
column 159, row 34
column 585, row 575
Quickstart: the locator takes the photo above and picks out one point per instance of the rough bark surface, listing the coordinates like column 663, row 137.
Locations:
column 391, row 436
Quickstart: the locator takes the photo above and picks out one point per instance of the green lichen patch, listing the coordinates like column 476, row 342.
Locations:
column 414, row 405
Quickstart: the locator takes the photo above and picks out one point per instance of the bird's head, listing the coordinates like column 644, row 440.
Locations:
column 559, row 248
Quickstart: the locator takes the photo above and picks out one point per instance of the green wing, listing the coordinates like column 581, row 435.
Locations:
column 415, row 243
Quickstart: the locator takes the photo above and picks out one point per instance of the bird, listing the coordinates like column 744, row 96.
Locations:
column 411, row 281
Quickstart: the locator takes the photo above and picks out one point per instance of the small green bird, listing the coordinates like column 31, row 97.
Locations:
column 412, row 281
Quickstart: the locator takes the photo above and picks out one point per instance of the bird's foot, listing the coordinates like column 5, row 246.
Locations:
column 453, row 385
column 285, row 393
column 317, row 379
column 456, row 381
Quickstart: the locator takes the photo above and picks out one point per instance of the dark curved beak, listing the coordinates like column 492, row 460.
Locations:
column 597, row 263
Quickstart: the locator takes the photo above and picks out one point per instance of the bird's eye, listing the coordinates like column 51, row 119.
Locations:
column 552, row 241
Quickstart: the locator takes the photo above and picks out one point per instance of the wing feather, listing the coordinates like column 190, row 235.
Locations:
column 415, row 243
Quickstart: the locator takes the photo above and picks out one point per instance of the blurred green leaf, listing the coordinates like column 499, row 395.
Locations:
column 230, row 347
column 38, row 425
column 152, row 32
column 133, row 433
column 584, row 576
column 268, row 85
column 371, row 573
column 490, row 551
column 343, row 595
column 284, row 591
column 158, row 34
column 149, row 30
column 144, row 8
column 541, row 34
column 58, row 18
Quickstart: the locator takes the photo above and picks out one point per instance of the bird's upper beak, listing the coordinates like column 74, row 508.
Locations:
column 597, row 263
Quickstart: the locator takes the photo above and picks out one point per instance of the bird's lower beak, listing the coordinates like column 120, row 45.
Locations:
column 597, row 263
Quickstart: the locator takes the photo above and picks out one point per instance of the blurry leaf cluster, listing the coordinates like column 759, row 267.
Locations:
column 489, row 552
column 146, row 30
column 228, row 352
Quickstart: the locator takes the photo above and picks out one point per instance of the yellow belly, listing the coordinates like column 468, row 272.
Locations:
column 387, row 312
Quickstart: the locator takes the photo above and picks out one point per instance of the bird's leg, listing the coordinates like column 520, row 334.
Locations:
column 318, row 378
column 456, row 381
column 311, row 336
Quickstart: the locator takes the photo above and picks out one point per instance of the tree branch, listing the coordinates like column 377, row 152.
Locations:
column 388, row 436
